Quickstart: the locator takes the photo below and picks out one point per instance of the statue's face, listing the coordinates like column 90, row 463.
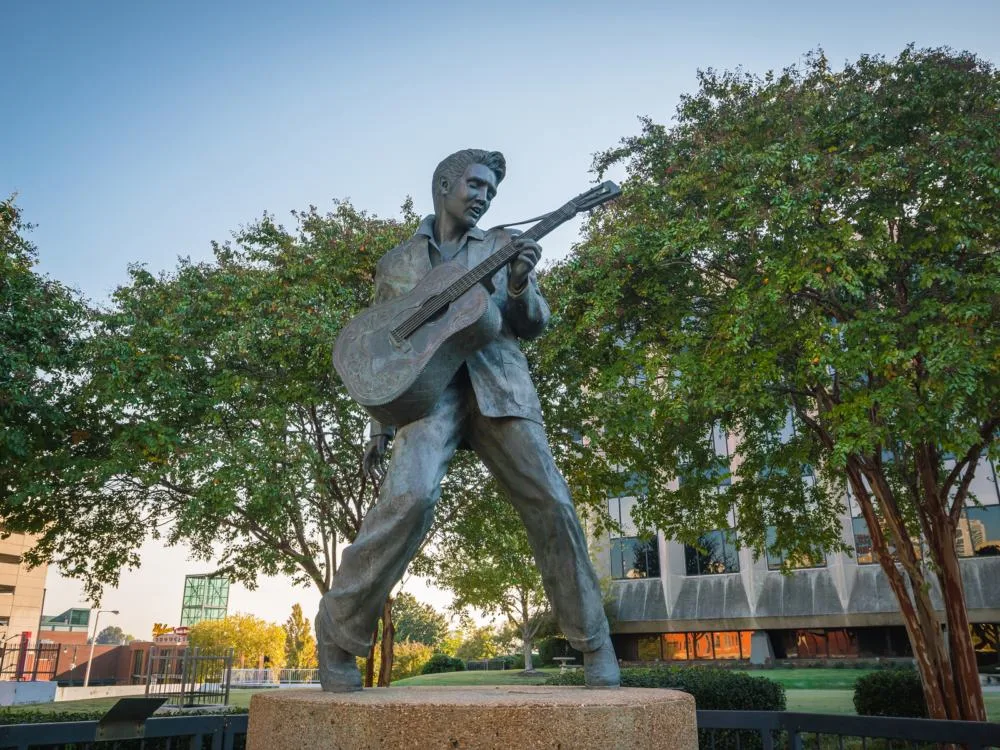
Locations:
column 469, row 199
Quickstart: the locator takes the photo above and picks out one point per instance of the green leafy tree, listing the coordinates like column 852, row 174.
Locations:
column 810, row 242
column 483, row 557
column 254, row 641
column 113, row 634
column 219, row 415
column 418, row 622
column 478, row 643
column 41, row 326
column 300, row 645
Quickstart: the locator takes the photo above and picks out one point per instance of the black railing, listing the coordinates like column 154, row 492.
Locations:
column 19, row 661
column 781, row 730
column 187, row 677
column 221, row 732
column 718, row 730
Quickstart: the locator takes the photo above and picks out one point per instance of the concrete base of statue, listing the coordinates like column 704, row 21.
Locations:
column 507, row 717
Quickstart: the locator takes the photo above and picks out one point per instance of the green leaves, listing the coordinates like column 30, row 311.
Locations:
column 213, row 415
column 810, row 241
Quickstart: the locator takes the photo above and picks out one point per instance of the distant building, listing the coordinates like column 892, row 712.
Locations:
column 69, row 627
column 206, row 597
column 674, row 602
column 22, row 591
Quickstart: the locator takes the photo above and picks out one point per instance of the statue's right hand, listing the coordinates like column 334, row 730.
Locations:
column 373, row 462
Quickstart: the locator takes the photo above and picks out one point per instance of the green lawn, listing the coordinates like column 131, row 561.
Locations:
column 509, row 677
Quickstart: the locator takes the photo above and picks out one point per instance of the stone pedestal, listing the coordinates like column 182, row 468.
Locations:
column 509, row 717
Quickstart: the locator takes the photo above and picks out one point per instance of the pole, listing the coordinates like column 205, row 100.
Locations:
column 93, row 642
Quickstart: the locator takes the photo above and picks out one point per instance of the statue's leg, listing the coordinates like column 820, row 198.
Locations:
column 517, row 453
column 390, row 536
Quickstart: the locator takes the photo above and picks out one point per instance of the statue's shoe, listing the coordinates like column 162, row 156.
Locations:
column 338, row 669
column 600, row 667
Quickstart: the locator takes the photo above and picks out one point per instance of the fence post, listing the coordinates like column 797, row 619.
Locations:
column 149, row 667
column 228, row 666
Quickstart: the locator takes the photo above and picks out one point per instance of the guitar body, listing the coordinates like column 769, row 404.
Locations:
column 398, row 380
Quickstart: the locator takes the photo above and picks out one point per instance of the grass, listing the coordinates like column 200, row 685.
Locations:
column 508, row 677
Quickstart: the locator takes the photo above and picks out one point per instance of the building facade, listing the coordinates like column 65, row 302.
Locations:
column 672, row 602
column 22, row 590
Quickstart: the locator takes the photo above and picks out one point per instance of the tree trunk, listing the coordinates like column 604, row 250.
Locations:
column 528, row 664
column 388, row 639
column 925, row 637
column 947, row 664
column 370, row 661
column 964, row 670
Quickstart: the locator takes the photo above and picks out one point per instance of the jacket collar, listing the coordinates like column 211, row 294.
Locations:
column 426, row 229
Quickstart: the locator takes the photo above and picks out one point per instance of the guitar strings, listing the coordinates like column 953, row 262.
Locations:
column 485, row 269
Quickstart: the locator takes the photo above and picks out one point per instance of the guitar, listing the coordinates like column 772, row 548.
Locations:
column 396, row 358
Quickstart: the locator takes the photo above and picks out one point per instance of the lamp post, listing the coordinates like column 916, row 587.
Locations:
column 93, row 642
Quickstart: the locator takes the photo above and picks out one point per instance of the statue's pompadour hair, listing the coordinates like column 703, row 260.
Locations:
column 453, row 167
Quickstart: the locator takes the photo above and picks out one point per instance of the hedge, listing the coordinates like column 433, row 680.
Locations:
column 443, row 663
column 713, row 689
column 893, row 692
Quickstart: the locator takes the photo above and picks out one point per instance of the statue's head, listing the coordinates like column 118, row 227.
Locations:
column 465, row 183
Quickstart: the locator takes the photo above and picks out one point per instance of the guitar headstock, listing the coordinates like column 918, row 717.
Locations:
column 597, row 195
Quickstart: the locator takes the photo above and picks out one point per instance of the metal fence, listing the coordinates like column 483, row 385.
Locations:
column 488, row 665
column 718, row 730
column 221, row 732
column 20, row 661
column 781, row 730
column 274, row 677
column 186, row 677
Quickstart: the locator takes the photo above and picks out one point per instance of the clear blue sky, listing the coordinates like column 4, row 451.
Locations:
column 137, row 132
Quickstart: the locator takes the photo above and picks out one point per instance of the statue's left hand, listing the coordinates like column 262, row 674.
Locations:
column 373, row 462
column 529, row 252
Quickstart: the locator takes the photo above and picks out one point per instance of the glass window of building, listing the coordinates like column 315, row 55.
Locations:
column 978, row 532
column 649, row 648
column 863, row 552
column 776, row 557
column 675, row 646
column 716, row 552
column 632, row 556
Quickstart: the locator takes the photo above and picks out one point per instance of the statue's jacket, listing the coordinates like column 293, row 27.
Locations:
column 498, row 371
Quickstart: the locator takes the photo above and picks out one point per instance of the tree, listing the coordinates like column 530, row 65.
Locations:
column 113, row 634
column 300, row 645
column 254, row 641
column 483, row 557
column 810, row 242
column 41, row 326
column 219, row 416
column 478, row 643
column 418, row 622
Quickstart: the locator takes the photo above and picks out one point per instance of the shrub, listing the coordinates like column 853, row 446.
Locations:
column 890, row 692
column 713, row 689
column 443, row 663
column 409, row 658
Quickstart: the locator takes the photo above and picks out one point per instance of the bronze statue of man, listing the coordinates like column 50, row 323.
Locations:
column 490, row 406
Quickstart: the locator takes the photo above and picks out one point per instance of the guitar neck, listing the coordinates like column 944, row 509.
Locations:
column 594, row 197
column 504, row 255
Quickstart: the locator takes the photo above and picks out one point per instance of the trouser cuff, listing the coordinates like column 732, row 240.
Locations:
column 590, row 644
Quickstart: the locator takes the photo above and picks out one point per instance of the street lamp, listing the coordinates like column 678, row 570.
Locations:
column 93, row 642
